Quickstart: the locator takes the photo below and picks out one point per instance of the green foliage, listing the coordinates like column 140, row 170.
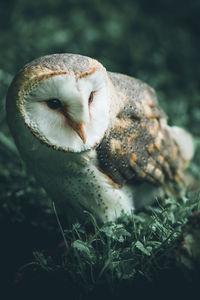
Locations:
column 156, row 41
column 136, row 247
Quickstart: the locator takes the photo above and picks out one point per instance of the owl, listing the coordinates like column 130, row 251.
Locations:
column 96, row 141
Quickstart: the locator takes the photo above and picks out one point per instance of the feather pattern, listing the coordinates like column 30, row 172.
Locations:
column 139, row 147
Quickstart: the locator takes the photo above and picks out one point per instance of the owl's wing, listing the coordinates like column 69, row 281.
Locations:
column 140, row 146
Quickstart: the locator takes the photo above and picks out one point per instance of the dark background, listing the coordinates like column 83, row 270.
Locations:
column 156, row 41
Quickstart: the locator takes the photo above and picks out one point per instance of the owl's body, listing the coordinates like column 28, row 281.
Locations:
column 95, row 140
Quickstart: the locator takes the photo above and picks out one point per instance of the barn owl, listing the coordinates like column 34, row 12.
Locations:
column 95, row 140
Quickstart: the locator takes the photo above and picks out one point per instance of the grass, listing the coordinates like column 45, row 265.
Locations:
column 88, row 260
column 139, row 247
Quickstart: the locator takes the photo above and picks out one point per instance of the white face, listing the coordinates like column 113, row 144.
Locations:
column 68, row 113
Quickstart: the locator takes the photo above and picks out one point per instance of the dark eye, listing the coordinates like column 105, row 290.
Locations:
column 54, row 103
column 90, row 100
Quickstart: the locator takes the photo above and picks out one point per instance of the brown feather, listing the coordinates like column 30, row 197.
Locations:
column 139, row 147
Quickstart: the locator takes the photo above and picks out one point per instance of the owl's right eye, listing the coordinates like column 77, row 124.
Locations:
column 54, row 103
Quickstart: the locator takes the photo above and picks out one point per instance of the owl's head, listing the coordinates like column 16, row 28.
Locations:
column 64, row 101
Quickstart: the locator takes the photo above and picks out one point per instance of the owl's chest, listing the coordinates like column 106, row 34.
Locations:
column 66, row 177
column 76, row 184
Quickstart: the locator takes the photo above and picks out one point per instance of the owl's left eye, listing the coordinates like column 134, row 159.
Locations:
column 91, row 98
column 54, row 103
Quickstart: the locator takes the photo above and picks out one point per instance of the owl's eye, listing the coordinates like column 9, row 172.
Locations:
column 54, row 103
column 90, row 100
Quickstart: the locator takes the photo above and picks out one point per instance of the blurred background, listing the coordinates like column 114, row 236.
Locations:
column 156, row 41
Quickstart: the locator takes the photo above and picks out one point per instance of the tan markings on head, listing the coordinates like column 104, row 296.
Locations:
column 133, row 159
column 27, row 80
column 79, row 75
column 32, row 76
column 93, row 67
column 40, row 76
column 35, row 75
column 37, row 72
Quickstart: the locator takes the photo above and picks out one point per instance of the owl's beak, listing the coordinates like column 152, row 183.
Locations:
column 80, row 130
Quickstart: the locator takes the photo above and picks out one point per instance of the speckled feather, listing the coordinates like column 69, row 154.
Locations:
column 70, row 63
column 139, row 147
